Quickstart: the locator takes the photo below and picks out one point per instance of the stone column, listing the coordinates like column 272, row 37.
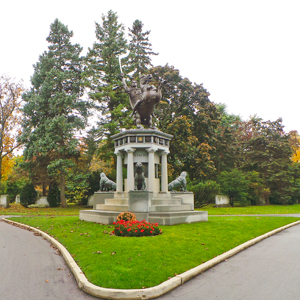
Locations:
column 164, row 172
column 151, row 169
column 119, row 180
column 130, row 169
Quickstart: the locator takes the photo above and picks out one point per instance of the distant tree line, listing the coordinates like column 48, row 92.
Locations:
column 253, row 161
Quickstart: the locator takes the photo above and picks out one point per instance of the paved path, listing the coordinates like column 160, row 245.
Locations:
column 30, row 269
column 269, row 270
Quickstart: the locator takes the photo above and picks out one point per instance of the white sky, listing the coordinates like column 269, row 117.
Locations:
column 246, row 53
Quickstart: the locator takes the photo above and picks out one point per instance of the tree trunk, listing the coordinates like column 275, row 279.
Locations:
column 1, row 168
column 62, row 191
column 44, row 189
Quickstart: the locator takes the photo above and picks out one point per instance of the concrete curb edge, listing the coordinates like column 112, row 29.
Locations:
column 148, row 293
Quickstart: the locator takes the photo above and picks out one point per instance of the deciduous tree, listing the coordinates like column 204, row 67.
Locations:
column 10, row 117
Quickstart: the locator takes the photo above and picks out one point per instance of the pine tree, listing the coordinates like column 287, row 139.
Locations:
column 103, row 78
column 140, row 50
column 54, row 109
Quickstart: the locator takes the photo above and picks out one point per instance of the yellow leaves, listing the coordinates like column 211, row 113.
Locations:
column 7, row 166
column 295, row 144
column 296, row 156
column 10, row 117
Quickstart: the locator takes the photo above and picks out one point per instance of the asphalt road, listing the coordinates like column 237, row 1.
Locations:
column 30, row 269
column 269, row 270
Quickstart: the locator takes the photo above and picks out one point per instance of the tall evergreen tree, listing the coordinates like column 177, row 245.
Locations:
column 102, row 75
column 54, row 109
column 140, row 50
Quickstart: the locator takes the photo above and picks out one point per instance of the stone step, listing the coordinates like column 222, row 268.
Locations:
column 104, row 207
column 161, row 201
column 169, row 208
column 116, row 201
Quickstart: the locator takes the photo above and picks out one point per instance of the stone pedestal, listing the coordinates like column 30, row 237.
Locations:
column 139, row 201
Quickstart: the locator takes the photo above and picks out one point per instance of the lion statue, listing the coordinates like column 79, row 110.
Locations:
column 139, row 178
column 106, row 184
column 179, row 182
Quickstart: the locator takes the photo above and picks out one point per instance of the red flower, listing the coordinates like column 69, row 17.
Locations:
column 150, row 231
column 142, row 230
column 128, row 229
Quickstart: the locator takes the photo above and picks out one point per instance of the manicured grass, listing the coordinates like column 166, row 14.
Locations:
column 253, row 210
column 72, row 210
column 18, row 209
column 136, row 262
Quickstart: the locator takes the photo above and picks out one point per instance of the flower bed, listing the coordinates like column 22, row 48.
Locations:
column 136, row 228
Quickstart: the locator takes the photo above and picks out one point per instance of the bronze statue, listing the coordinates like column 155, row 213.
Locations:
column 139, row 178
column 135, row 95
column 143, row 100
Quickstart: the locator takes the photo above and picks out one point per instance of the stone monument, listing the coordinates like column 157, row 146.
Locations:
column 143, row 151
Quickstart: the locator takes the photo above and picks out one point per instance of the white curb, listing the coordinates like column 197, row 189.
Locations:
column 147, row 293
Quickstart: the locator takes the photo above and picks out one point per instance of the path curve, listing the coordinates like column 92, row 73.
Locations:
column 31, row 269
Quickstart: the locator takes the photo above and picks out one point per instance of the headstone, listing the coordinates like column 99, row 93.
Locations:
column 42, row 201
column 222, row 200
column 17, row 200
column 4, row 201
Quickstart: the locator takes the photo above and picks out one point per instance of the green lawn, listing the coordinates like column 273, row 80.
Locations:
column 137, row 262
column 250, row 210
column 18, row 209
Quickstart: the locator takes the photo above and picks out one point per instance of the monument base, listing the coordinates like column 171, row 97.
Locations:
column 162, row 218
column 164, row 208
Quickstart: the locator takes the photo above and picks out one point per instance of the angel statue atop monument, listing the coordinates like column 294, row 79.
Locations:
column 143, row 99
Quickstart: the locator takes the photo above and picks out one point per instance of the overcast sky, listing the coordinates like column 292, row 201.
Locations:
column 246, row 53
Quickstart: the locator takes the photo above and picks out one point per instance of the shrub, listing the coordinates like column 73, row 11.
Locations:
column 53, row 197
column 235, row 185
column 28, row 195
column 204, row 192
column 136, row 228
column 126, row 216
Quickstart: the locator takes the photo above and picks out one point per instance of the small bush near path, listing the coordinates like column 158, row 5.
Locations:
column 28, row 195
column 136, row 262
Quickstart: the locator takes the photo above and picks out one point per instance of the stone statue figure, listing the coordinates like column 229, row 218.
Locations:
column 143, row 100
column 135, row 95
column 106, row 184
column 179, row 182
column 139, row 178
